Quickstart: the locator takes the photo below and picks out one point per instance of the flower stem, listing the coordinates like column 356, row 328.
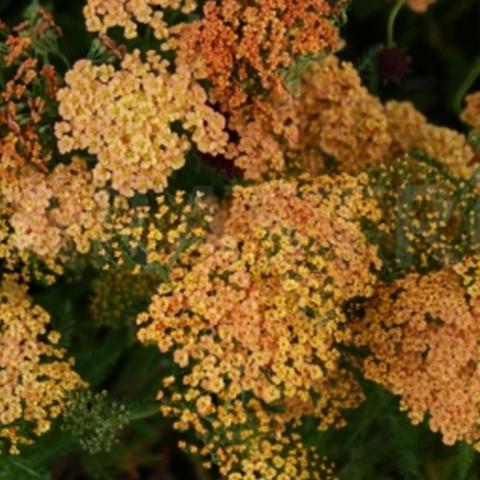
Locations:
column 465, row 86
column 147, row 412
column 391, row 22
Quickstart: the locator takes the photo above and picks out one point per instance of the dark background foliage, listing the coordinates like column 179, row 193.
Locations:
column 379, row 443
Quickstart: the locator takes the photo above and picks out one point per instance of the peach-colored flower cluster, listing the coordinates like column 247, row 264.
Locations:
column 51, row 215
column 35, row 374
column 343, row 126
column 258, row 311
column 125, row 118
column 420, row 6
column 340, row 122
column 422, row 333
column 45, row 209
column 410, row 130
column 471, row 112
column 101, row 15
column 267, row 132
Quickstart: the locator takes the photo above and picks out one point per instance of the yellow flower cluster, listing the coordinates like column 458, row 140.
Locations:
column 471, row 112
column 125, row 118
column 244, row 439
column 258, row 311
column 429, row 215
column 423, row 334
column 101, row 15
column 151, row 238
column 35, row 374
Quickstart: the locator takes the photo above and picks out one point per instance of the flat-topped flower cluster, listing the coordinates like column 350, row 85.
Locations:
column 346, row 243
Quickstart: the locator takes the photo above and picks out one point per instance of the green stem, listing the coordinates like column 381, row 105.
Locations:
column 147, row 412
column 465, row 86
column 391, row 22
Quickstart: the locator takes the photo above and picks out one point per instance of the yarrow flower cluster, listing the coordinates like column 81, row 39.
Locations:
column 125, row 117
column 24, row 100
column 471, row 112
column 51, row 214
column 429, row 217
column 342, row 125
column 101, row 15
column 351, row 240
column 422, row 335
column 234, row 38
column 411, row 130
column 246, row 52
column 35, row 374
column 345, row 128
column 258, row 311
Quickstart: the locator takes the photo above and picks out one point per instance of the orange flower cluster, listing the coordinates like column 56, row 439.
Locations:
column 234, row 42
column 471, row 112
column 24, row 103
column 125, row 118
column 258, row 311
column 423, row 334
column 101, row 15
column 35, row 374
column 246, row 51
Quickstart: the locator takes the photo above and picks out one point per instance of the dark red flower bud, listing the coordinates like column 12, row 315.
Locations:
column 392, row 63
